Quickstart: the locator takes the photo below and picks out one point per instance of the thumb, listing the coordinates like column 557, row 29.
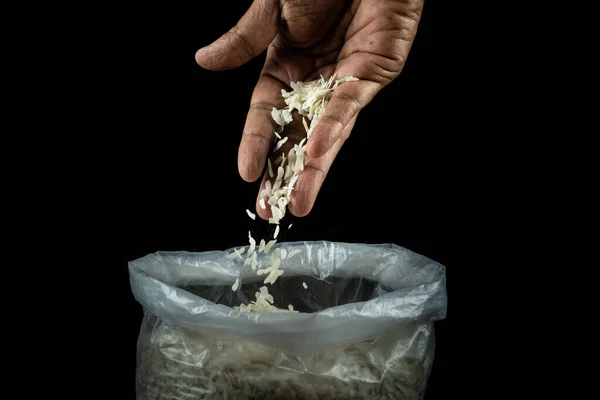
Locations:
column 250, row 37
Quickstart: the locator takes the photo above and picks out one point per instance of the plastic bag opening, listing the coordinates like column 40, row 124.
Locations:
column 319, row 295
column 355, row 292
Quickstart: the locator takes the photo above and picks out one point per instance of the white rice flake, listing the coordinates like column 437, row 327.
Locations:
column 254, row 262
column 299, row 166
column 287, row 116
column 304, row 285
column 264, row 292
column 293, row 253
column 280, row 172
column 270, row 167
column 277, row 214
column 276, row 273
column 262, row 204
column 276, row 232
column 270, row 244
column 236, row 284
column 261, row 246
column 277, row 116
column 236, row 254
column 251, row 214
column 283, row 160
column 280, row 143
column 289, row 170
column 275, row 260
column 252, row 245
column 282, row 202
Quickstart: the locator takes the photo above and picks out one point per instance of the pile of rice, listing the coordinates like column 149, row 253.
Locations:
column 181, row 364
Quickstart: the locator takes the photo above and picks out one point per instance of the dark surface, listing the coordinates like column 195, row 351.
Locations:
column 400, row 178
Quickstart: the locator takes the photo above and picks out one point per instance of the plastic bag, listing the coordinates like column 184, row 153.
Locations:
column 364, row 330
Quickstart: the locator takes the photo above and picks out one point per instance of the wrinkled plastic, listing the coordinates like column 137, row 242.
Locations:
column 364, row 330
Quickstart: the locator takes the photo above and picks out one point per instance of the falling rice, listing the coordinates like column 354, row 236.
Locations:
column 236, row 254
column 269, row 245
column 293, row 253
column 252, row 245
column 280, row 143
column 270, row 167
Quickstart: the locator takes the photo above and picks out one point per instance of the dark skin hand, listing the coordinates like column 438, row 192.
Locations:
column 367, row 39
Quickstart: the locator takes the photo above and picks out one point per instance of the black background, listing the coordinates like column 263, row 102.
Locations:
column 405, row 175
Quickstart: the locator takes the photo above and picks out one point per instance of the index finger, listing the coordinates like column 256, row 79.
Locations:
column 259, row 128
column 281, row 67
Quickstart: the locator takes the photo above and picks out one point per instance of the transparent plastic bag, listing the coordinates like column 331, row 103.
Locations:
column 364, row 330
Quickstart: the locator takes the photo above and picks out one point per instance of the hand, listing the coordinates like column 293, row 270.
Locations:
column 368, row 39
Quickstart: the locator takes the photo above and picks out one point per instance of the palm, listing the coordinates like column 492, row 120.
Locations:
column 368, row 39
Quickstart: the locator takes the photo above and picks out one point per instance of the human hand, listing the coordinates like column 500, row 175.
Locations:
column 367, row 39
